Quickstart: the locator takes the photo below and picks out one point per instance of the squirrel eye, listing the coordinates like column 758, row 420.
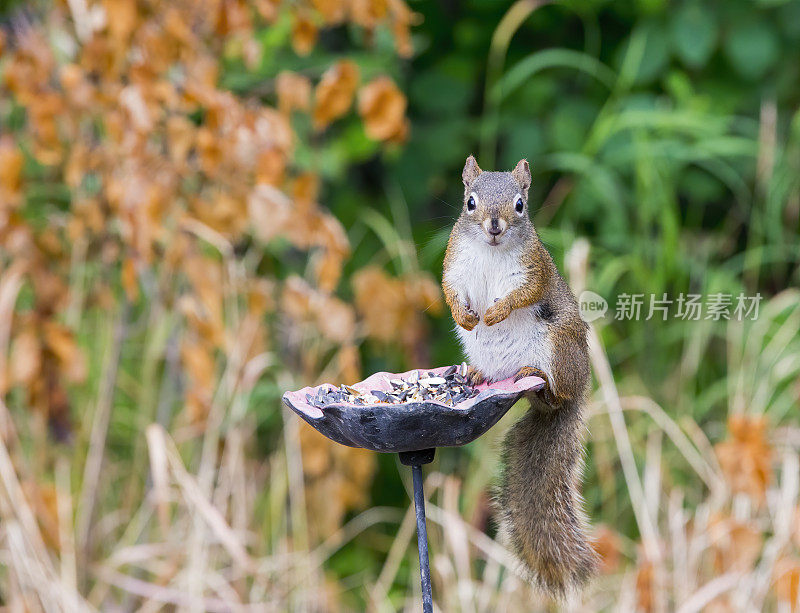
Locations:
column 471, row 203
column 519, row 206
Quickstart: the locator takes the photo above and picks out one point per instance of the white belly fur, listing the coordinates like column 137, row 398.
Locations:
column 480, row 275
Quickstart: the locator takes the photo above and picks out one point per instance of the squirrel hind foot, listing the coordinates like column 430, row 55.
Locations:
column 530, row 371
column 546, row 393
column 475, row 376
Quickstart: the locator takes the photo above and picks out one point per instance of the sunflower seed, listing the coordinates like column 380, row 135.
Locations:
column 449, row 388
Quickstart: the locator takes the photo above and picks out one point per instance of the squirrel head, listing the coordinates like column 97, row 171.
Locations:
column 496, row 203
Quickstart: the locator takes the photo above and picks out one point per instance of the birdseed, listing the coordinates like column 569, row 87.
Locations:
column 448, row 388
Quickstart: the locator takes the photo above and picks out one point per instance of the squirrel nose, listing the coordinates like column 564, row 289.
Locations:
column 494, row 226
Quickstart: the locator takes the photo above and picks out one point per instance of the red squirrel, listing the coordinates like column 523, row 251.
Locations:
column 517, row 317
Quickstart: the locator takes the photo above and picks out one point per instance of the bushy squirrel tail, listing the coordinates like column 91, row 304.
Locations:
column 541, row 512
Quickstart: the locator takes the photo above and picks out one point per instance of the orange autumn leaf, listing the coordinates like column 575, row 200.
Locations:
column 349, row 364
column 121, row 20
column 130, row 282
column 44, row 112
column 382, row 106
column 49, row 243
column 315, row 450
column 29, row 67
column 78, row 89
column 746, row 457
column 327, row 266
column 42, row 498
column 270, row 166
column 736, row 545
column 334, row 318
column 206, row 279
column 267, row 9
column 380, row 301
column 180, row 138
column 328, row 263
column 358, row 471
column 11, row 163
column 198, row 362
column 304, row 34
column 425, row 292
column 197, row 405
column 392, row 307
column 332, row 11
column 787, row 582
column 368, row 13
column 795, row 530
column 176, row 28
column 26, row 357
column 260, row 296
column 305, row 189
column 210, row 151
column 334, row 93
column 60, row 341
column 330, row 234
column 402, row 38
column 77, row 165
column 294, row 92
column 233, row 17
column 607, row 543
column 402, row 20
column 645, row 576
column 297, row 299
column 337, row 320
column 269, row 212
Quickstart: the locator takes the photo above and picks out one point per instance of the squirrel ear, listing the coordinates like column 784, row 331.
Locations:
column 522, row 174
column 471, row 170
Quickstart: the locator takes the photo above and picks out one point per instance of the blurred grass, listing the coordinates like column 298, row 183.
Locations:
column 668, row 137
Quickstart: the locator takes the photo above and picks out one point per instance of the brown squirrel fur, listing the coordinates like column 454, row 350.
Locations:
column 517, row 316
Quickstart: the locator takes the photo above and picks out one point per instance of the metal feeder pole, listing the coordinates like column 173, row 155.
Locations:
column 415, row 459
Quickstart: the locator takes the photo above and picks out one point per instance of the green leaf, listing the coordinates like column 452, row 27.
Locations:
column 528, row 67
column 645, row 54
column 694, row 34
column 752, row 47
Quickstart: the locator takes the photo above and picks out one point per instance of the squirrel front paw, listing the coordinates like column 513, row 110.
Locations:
column 474, row 376
column 546, row 392
column 466, row 318
column 497, row 313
